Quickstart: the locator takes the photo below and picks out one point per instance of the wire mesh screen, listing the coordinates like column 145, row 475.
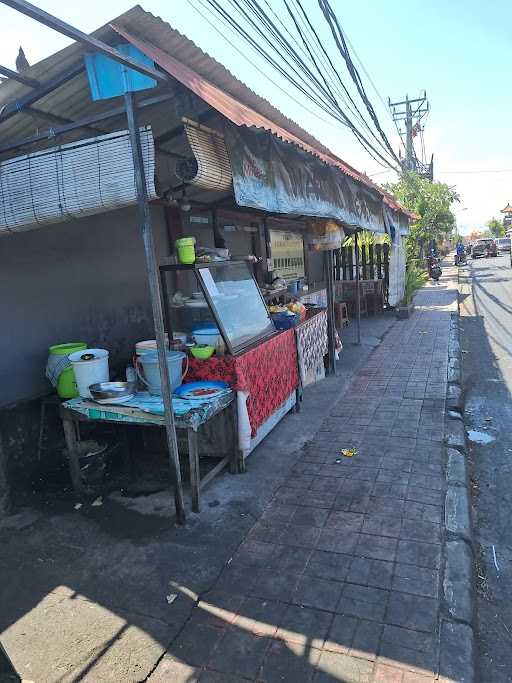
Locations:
column 78, row 179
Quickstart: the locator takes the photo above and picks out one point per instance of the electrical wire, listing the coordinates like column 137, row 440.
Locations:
column 370, row 79
column 313, row 54
column 284, row 58
column 242, row 54
column 237, row 28
column 230, row 26
column 339, row 39
column 495, row 170
column 452, row 172
column 328, row 65
column 309, row 51
column 292, row 60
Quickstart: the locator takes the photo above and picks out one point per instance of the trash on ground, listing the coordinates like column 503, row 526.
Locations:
column 78, row 506
column 480, row 437
column 97, row 502
column 488, row 418
column 349, row 452
column 171, row 598
column 495, row 560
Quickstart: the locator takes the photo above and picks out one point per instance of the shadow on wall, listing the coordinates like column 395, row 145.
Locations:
column 80, row 280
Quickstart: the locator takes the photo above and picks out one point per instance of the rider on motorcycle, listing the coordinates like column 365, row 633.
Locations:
column 460, row 252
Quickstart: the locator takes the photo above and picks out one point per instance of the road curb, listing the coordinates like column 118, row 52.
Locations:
column 457, row 638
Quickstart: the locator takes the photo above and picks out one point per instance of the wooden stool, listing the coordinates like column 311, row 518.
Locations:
column 341, row 314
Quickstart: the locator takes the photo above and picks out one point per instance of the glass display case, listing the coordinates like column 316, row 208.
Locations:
column 223, row 292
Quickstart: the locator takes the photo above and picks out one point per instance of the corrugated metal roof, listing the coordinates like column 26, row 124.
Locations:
column 228, row 106
column 195, row 69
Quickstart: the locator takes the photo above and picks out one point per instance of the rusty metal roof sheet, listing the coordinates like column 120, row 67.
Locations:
column 186, row 62
column 242, row 115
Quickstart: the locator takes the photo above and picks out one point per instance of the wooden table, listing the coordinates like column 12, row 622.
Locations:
column 79, row 410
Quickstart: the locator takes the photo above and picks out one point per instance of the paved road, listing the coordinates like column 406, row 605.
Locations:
column 487, row 341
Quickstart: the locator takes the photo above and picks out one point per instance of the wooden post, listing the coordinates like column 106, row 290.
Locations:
column 364, row 259
column 156, row 304
column 268, row 250
column 385, row 249
column 371, row 259
column 358, row 292
column 195, row 476
column 331, row 326
column 378, row 251
column 337, row 259
column 70, row 437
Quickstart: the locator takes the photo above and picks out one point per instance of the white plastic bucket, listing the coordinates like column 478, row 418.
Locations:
column 91, row 371
column 148, row 345
column 151, row 370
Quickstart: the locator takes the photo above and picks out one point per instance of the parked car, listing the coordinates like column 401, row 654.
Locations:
column 502, row 244
column 484, row 247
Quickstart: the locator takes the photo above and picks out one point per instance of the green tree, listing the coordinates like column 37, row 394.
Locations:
column 431, row 202
column 496, row 228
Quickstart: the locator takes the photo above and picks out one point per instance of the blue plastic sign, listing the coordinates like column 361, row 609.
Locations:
column 108, row 78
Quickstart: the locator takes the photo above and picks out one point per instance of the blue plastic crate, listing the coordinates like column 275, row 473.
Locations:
column 284, row 321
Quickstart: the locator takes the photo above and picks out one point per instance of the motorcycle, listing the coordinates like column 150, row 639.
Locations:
column 460, row 259
column 434, row 269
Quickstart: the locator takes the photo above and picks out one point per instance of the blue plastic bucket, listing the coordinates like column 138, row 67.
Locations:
column 151, row 370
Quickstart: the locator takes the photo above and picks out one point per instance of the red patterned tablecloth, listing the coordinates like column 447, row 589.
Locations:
column 268, row 373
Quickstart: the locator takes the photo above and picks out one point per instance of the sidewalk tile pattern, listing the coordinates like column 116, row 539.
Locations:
column 339, row 578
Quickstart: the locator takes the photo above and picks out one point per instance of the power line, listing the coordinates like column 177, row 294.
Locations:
column 452, row 172
column 242, row 54
column 248, row 38
column 339, row 39
column 328, row 94
column 495, row 170
column 303, row 79
column 370, row 80
column 336, row 80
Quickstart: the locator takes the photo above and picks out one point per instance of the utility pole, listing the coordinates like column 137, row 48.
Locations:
column 410, row 113
column 409, row 147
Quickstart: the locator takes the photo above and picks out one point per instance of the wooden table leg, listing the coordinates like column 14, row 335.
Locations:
column 193, row 458
column 70, row 434
column 299, row 393
column 235, row 446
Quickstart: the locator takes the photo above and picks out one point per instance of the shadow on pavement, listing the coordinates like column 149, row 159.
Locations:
column 487, row 324
column 312, row 566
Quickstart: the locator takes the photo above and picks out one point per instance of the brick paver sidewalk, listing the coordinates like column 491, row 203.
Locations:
column 339, row 579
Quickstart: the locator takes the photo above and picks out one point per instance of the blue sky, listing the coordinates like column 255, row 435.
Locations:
column 459, row 51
